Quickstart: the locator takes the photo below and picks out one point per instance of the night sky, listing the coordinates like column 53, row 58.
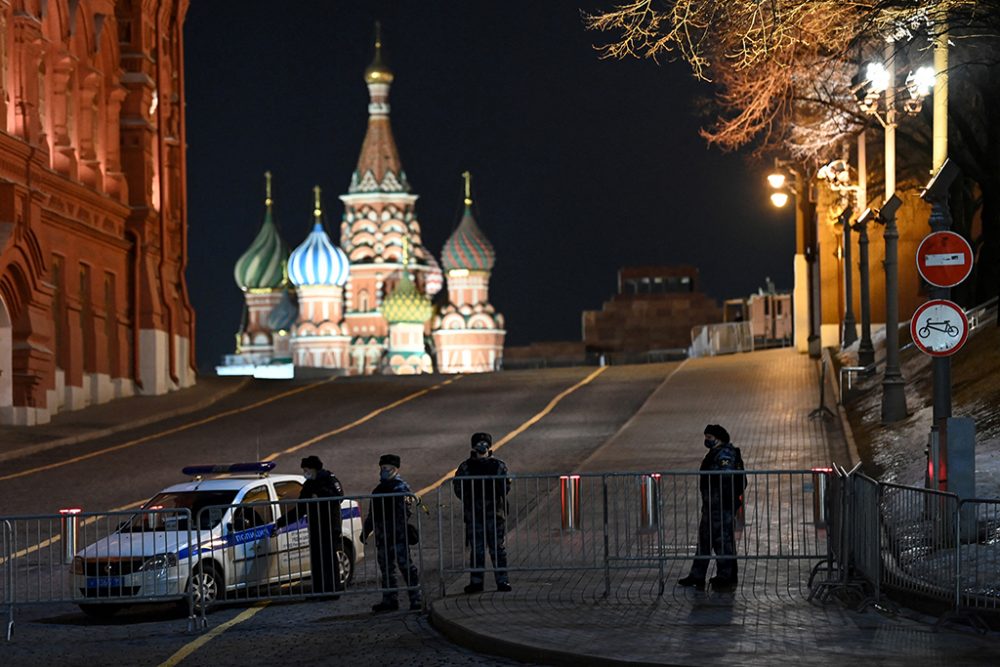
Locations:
column 580, row 165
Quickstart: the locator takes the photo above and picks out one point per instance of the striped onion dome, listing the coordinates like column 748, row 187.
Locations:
column 467, row 247
column 406, row 304
column 318, row 261
column 262, row 266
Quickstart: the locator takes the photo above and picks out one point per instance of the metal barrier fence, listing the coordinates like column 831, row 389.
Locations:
column 591, row 533
column 916, row 542
column 98, row 561
column 294, row 549
column 708, row 340
column 634, row 529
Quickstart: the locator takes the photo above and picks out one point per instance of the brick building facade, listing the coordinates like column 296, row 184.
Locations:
column 93, row 219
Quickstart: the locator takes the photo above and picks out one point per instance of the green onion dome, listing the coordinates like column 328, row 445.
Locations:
column 406, row 304
column 262, row 266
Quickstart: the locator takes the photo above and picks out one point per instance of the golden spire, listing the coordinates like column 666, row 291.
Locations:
column 317, row 209
column 406, row 252
column 267, row 180
column 378, row 72
column 468, row 187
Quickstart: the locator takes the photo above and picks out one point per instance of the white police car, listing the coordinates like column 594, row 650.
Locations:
column 155, row 554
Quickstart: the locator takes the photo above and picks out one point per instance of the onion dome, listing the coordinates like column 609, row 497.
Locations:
column 467, row 247
column 406, row 304
column 318, row 261
column 262, row 266
column 378, row 71
column 284, row 314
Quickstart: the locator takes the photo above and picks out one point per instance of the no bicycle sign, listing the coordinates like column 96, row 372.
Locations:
column 939, row 328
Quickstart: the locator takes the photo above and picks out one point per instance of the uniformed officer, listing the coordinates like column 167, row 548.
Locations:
column 387, row 519
column 325, row 523
column 721, row 498
column 484, row 510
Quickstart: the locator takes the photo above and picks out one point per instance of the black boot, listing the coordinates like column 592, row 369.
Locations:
column 692, row 581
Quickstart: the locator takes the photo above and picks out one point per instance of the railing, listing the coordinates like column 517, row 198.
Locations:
column 639, row 529
column 99, row 561
column 585, row 535
column 977, row 316
column 901, row 541
column 708, row 340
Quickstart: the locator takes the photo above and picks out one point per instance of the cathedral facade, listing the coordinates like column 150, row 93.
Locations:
column 93, row 226
column 374, row 303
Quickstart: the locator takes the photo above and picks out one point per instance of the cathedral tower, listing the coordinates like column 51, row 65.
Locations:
column 468, row 332
column 379, row 212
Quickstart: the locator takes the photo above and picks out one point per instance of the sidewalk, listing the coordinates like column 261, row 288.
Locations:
column 97, row 421
column 764, row 399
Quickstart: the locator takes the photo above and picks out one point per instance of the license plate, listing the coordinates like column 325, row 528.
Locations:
column 104, row 582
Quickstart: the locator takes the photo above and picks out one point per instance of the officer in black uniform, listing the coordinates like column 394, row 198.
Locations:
column 325, row 523
column 721, row 499
column 484, row 510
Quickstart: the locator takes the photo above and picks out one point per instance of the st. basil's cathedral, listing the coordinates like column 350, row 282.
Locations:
column 373, row 304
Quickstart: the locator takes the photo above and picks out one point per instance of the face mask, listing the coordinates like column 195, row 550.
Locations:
column 710, row 443
column 310, row 474
column 386, row 475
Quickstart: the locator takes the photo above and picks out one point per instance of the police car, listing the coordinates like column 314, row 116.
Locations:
column 155, row 554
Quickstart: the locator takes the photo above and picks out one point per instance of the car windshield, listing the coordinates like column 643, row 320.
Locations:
column 196, row 501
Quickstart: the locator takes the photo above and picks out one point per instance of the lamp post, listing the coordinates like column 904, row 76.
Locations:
column 806, row 237
column 880, row 81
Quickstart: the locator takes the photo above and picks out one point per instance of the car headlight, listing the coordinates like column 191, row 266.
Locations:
column 77, row 567
column 160, row 562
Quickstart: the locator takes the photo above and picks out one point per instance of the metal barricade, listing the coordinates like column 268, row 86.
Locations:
column 977, row 577
column 634, row 530
column 119, row 558
column 918, row 541
column 864, row 532
column 295, row 549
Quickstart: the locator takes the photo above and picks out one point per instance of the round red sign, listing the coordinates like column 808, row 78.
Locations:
column 944, row 259
column 939, row 328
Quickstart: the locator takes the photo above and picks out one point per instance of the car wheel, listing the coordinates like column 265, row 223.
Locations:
column 205, row 585
column 103, row 611
column 345, row 559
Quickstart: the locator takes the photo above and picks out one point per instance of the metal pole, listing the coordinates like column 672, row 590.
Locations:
column 866, row 351
column 850, row 331
column 940, row 220
column 812, row 258
column 940, row 97
column 893, row 384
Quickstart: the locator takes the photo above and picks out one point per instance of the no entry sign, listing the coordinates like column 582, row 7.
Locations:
column 939, row 328
column 944, row 259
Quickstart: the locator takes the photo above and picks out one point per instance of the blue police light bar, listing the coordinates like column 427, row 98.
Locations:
column 257, row 467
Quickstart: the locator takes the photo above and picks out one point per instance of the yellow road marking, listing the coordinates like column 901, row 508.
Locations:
column 358, row 422
column 194, row 645
column 523, row 427
column 154, row 436
column 55, row 538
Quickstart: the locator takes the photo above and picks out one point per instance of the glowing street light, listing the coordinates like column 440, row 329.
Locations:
column 779, row 199
column 777, row 181
column 878, row 76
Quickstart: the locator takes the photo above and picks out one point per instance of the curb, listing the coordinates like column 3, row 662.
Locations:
column 117, row 428
column 845, row 423
column 479, row 642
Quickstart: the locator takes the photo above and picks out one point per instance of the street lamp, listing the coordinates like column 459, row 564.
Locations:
column 837, row 175
column 805, row 246
column 919, row 85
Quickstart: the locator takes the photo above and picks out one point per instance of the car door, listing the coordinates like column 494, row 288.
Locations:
column 249, row 538
column 292, row 542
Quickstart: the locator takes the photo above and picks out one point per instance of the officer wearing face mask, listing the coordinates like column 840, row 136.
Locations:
column 387, row 519
column 325, row 523
column 721, row 499
column 484, row 510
